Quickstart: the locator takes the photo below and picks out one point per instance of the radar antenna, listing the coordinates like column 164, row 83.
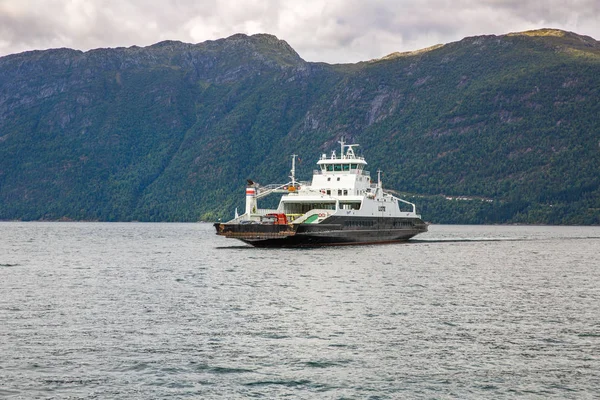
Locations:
column 349, row 149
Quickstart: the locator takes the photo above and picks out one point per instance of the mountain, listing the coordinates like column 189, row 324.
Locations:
column 489, row 129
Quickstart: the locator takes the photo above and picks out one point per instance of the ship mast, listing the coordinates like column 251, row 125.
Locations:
column 348, row 153
column 293, row 171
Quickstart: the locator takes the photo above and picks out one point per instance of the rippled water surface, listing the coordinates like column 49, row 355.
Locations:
column 137, row 311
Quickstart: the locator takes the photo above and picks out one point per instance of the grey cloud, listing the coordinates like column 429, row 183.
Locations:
column 552, row 10
column 26, row 31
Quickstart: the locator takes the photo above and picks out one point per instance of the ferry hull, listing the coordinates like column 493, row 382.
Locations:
column 324, row 234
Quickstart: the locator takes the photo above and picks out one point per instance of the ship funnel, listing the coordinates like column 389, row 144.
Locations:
column 250, row 199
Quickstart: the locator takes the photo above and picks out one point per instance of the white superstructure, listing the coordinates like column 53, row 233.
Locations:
column 340, row 186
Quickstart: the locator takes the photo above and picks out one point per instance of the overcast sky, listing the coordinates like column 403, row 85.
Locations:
column 332, row 31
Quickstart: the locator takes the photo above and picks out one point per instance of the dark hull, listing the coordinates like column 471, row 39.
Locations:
column 333, row 231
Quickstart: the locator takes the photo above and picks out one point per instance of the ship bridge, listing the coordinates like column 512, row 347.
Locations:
column 347, row 161
column 342, row 175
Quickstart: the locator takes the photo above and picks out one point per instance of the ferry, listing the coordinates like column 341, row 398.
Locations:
column 341, row 206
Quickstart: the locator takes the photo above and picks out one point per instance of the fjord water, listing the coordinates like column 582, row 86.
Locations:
column 137, row 311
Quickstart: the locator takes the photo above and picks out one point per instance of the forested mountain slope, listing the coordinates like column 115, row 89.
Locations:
column 508, row 124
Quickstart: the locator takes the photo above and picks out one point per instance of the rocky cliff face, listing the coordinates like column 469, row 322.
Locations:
column 171, row 131
column 29, row 78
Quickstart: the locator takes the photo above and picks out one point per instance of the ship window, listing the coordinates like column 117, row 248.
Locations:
column 328, row 192
column 338, row 167
column 322, row 167
column 353, row 166
column 350, row 205
column 328, row 179
column 346, row 167
column 302, row 208
column 338, row 179
column 339, row 192
column 345, row 192
column 329, row 167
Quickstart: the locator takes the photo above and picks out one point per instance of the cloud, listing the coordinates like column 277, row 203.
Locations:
column 319, row 30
